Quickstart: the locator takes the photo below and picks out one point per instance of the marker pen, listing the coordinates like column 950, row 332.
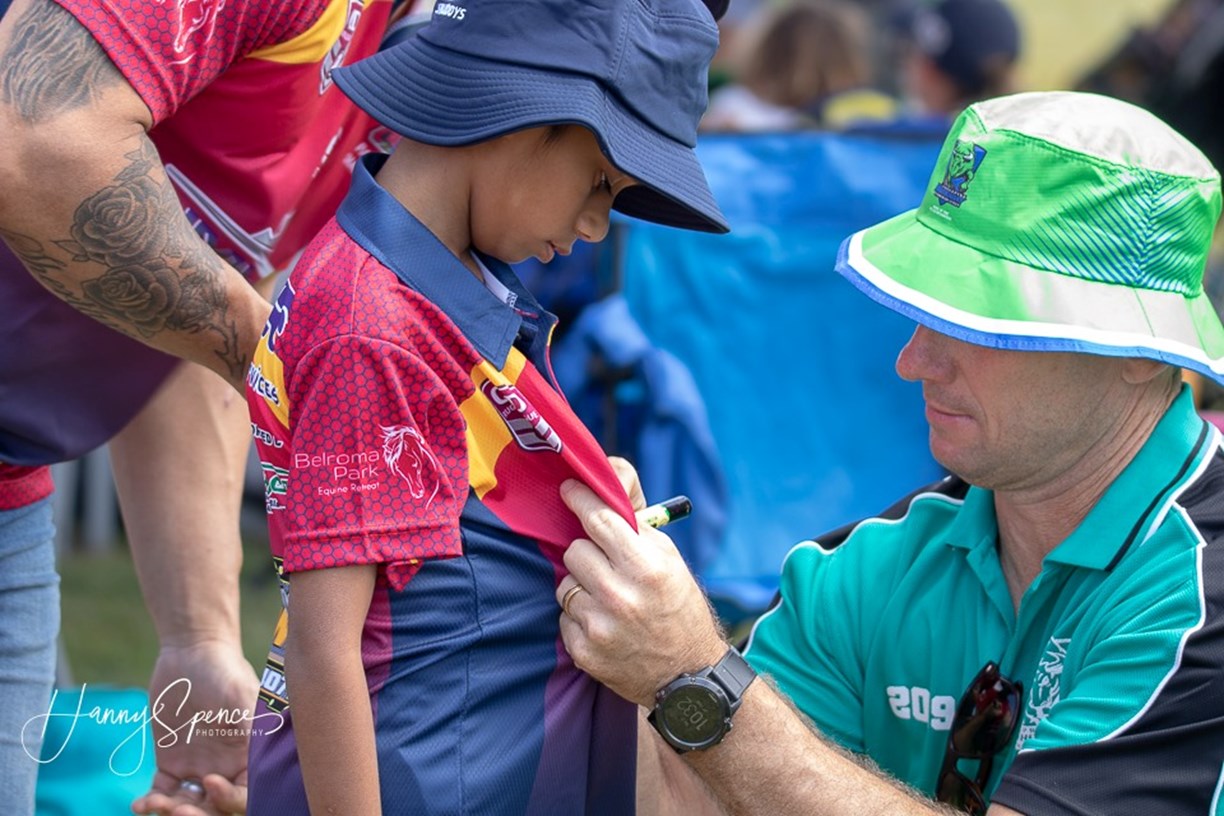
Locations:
column 663, row 513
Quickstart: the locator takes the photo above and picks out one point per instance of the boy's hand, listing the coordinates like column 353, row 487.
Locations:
column 168, row 798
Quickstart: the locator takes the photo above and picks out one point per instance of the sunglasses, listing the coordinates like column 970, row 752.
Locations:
column 985, row 720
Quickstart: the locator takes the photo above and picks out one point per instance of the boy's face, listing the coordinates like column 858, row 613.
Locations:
column 539, row 191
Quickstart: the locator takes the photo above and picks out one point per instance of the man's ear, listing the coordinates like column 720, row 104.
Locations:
column 1140, row 370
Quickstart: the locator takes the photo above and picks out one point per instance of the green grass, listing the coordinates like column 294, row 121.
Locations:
column 108, row 635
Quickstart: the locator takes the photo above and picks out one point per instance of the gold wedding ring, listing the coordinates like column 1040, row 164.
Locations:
column 569, row 596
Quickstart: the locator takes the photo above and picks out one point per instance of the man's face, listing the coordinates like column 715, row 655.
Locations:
column 1011, row 419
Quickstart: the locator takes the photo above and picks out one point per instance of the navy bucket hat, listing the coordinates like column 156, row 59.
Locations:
column 632, row 71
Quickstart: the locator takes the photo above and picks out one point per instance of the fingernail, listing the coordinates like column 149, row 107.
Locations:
column 568, row 486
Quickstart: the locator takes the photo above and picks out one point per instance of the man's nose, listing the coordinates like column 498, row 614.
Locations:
column 920, row 358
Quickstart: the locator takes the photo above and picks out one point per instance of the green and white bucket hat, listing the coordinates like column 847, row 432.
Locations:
column 1056, row 222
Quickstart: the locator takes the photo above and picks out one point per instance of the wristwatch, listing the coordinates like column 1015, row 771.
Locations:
column 693, row 712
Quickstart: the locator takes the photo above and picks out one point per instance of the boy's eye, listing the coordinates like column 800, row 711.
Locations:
column 604, row 183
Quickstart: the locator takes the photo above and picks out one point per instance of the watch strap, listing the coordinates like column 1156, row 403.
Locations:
column 734, row 674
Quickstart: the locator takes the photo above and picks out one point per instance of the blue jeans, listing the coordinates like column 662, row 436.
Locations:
column 29, row 626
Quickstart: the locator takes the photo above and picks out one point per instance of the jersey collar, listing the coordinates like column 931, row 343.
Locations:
column 383, row 227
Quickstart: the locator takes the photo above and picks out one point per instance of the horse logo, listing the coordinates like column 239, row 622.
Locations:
column 193, row 16
column 407, row 456
column 962, row 167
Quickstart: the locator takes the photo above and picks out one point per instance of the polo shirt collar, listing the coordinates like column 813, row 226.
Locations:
column 974, row 526
column 377, row 221
column 1125, row 512
column 1129, row 505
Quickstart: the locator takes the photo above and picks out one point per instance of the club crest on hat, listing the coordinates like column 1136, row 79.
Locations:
column 962, row 167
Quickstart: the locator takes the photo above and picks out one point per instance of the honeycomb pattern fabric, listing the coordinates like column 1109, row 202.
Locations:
column 373, row 459
column 172, row 49
column 258, row 192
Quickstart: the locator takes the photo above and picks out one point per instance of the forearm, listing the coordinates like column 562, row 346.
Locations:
column 333, row 724
column 334, row 728
column 641, row 621
column 179, row 468
column 773, row 762
column 666, row 785
column 86, row 205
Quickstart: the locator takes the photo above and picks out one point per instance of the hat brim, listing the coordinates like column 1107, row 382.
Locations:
column 441, row 97
column 973, row 296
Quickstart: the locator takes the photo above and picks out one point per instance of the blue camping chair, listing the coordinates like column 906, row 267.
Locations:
column 811, row 424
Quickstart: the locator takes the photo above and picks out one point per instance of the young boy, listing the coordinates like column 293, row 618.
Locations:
column 411, row 434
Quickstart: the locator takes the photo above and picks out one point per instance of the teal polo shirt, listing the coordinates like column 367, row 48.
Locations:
column 1119, row 642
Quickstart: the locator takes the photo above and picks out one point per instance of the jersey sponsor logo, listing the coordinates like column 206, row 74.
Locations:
column 530, row 430
column 272, row 687
column 1046, row 689
column 276, row 483
column 962, row 166
column 407, row 456
column 451, row 10
column 916, row 703
column 404, row 453
column 265, row 437
column 192, row 16
column 261, row 385
column 378, row 140
column 279, row 319
column 350, row 472
column 340, row 48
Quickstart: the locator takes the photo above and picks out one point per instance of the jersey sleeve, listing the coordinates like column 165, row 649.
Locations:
column 170, row 50
column 1142, row 730
column 378, row 466
column 813, row 641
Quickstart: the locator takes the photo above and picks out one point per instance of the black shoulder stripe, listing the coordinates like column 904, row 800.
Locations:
column 1203, row 501
column 1160, row 497
column 952, row 486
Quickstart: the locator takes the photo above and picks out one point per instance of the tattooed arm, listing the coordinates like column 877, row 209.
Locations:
column 86, row 205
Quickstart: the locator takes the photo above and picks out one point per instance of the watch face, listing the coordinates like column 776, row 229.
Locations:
column 694, row 714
